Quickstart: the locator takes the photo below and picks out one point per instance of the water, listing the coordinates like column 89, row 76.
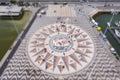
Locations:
column 102, row 19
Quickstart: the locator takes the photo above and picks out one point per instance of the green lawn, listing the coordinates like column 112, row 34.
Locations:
column 102, row 20
column 8, row 32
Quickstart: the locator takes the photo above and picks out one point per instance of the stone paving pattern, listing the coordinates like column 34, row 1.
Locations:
column 101, row 68
column 59, row 10
column 61, row 49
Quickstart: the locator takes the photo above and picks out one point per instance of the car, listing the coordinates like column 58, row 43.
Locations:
column 4, row 3
column 65, row 3
column 43, row 12
column 55, row 3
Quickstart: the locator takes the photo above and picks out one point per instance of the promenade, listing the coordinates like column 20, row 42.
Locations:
column 102, row 66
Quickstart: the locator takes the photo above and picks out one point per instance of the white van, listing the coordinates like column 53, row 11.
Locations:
column 43, row 12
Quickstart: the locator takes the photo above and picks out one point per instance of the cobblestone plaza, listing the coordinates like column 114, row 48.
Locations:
column 62, row 45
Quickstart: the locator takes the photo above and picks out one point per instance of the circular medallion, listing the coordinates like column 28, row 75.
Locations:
column 61, row 50
column 61, row 43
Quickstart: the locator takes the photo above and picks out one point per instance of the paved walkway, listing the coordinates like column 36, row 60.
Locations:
column 102, row 66
column 60, row 10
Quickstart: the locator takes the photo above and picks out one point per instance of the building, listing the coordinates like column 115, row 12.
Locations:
column 10, row 10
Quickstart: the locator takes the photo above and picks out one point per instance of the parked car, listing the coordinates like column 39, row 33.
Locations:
column 65, row 3
column 43, row 12
column 55, row 3
column 4, row 3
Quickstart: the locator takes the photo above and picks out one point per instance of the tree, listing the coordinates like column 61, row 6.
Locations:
column 20, row 3
column 13, row 1
column 27, row 4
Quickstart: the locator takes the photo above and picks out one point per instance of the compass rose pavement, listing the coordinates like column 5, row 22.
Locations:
column 61, row 49
column 55, row 51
